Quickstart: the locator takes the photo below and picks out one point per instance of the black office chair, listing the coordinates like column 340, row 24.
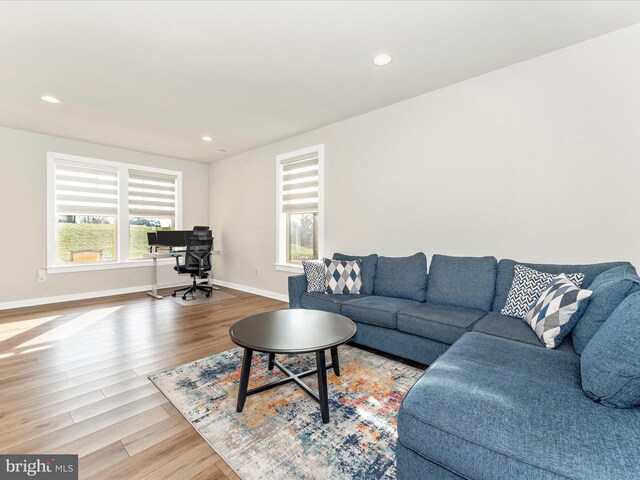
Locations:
column 197, row 261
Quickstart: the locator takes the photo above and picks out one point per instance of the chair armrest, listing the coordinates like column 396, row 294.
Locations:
column 177, row 257
column 297, row 286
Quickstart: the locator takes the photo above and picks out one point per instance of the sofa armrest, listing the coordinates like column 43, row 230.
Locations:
column 297, row 286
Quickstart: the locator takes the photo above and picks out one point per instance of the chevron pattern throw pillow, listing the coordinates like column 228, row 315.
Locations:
column 528, row 284
column 554, row 315
column 343, row 277
column 314, row 271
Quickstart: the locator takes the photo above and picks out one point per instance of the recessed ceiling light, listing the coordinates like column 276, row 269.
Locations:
column 49, row 99
column 207, row 139
column 382, row 59
column 222, row 150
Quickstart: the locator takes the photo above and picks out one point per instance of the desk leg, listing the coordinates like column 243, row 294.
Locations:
column 213, row 287
column 154, row 286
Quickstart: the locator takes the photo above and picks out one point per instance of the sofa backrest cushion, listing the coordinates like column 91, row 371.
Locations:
column 468, row 282
column 368, row 273
column 610, row 363
column 402, row 277
column 506, row 273
column 609, row 289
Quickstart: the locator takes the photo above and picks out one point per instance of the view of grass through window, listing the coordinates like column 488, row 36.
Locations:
column 138, row 229
column 92, row 238
column 86, row 238
column 303, row 234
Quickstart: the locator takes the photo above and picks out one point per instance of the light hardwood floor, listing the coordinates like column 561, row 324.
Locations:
column 73, row 379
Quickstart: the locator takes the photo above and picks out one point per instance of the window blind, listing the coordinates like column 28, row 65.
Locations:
column 300, row 184
column 152, row 194
column 86, row 190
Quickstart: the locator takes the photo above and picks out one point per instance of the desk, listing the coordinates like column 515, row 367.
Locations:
column 155, row 256
column 154, row 285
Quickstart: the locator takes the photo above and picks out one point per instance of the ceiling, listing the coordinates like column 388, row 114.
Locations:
column 157, row 76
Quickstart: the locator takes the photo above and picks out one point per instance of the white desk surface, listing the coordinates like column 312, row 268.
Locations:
column 172, row 254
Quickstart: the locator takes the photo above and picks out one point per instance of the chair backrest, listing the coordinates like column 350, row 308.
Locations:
column 199, row 246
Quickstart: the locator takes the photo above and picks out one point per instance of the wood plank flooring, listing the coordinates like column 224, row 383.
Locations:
column 73, row 379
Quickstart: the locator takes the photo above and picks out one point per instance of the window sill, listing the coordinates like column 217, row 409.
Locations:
column 107, row 266
column 285, row 267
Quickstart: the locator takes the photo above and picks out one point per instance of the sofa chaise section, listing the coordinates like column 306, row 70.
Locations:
column 492, row 408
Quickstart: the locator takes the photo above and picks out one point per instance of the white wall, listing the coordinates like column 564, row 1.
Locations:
column 538, row 161
column 23, row 240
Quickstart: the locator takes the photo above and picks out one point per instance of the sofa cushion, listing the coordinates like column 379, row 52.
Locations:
column 326, row 302
column 498, row 325
column 314, row 271
column 494, row 408
column 468, row 282
column 343, row 277
column 380, row 311
column 528, row 284
column 609, row 288
column 402, row 277
column 557, row 310
column 369, row 263
column 610, row 363
column 506, row 272
column 443, row 323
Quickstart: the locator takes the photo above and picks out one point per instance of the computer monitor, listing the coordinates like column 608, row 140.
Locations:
column 173, row 238
column 152, row 239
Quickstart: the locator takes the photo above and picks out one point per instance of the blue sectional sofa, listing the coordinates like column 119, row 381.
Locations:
column 494, row 403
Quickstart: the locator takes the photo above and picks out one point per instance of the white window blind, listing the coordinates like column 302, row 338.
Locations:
column 152, row 194
column 300, row 184
column 85, row 190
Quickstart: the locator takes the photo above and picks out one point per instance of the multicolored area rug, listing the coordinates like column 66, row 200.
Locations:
column 280, row 434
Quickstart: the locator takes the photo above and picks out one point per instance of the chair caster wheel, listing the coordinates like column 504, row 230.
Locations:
column 184, row 297
column 173, row 294
column 208, row 295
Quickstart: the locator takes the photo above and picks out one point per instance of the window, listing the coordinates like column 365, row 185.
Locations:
column 99, row 212
column 86, row 200
column 299, row 207
column 152, row 207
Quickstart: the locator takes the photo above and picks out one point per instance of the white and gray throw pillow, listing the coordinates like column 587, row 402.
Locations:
column 315, row 273
column 528, row 284
column 343, row 277
column 555, row 313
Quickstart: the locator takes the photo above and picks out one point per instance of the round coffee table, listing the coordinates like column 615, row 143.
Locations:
column 290, row 332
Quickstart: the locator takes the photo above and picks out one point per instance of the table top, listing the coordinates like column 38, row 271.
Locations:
column 158, row 254
column 292, row 331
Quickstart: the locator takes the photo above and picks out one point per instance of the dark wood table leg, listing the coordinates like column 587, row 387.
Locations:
column 272, row 357
column 323, row 394
column 335, row 361
column 244, row 378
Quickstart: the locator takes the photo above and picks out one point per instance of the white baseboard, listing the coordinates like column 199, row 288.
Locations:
column 255, row 291
column 31, row 302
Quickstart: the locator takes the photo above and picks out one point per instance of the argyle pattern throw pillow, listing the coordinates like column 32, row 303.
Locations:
column 528, row 284
column 315, row 273
column 554, row 315
column 343, row 277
